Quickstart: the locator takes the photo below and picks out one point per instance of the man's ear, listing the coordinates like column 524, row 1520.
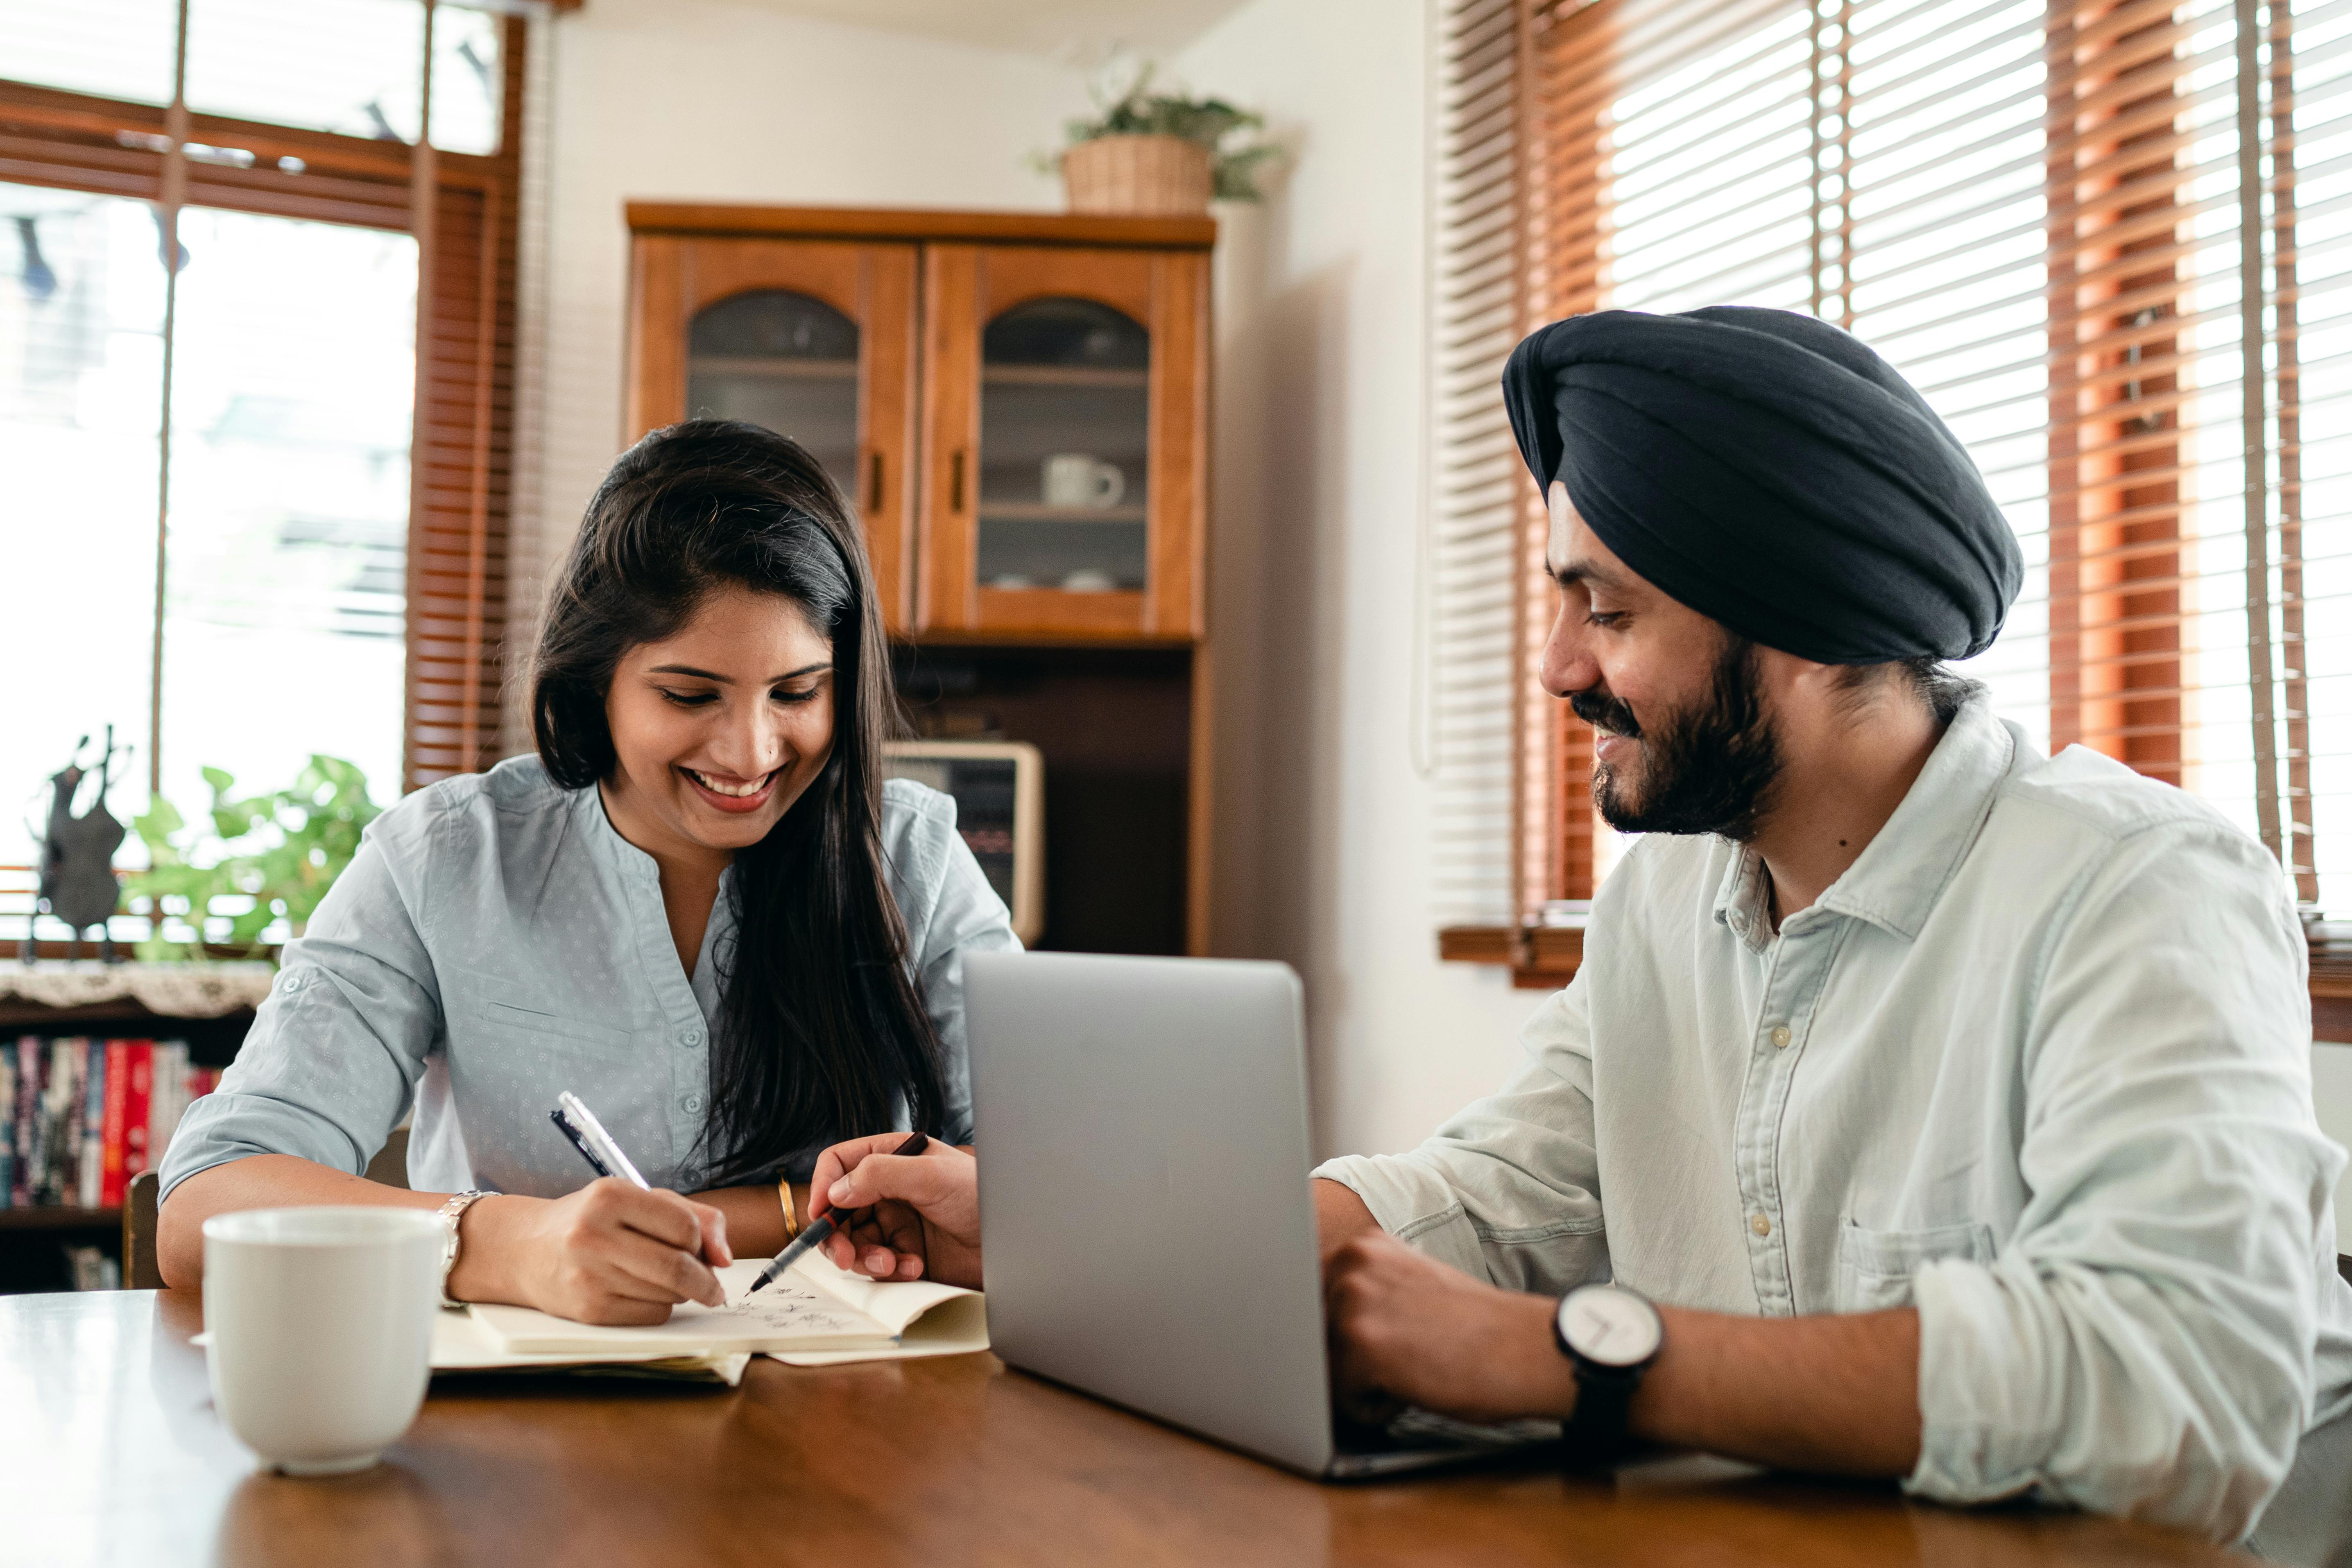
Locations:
column 1786, row 678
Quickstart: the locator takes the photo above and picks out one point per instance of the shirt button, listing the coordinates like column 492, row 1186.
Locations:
column 1760, row 1226
column 690, row 1037
column 1781, row 1037
column 691, row 1105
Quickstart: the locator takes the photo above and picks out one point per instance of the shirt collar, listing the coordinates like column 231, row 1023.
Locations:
column 588, row 805
column 1895, row 880
column 631, row 862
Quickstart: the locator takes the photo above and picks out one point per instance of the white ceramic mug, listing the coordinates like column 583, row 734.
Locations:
column 1079, row 479
column 319, row 1324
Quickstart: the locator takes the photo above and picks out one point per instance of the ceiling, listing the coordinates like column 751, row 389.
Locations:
column 1078, row 32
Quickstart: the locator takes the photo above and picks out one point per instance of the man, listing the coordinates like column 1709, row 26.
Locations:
column 1939, row 1111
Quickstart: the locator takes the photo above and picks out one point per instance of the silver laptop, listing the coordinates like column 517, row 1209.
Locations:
column 1144, row 1203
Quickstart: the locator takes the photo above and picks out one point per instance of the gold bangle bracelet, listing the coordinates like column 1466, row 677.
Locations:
column 792, row 1218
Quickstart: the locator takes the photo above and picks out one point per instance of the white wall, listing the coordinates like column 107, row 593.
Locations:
column 2331, row 1086
column 1323, row 849
column 691, row 100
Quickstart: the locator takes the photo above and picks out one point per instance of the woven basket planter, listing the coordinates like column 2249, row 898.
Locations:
column 1157, row 176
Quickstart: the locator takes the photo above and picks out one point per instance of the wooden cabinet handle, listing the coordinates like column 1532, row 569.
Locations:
column 955, row 481
column 873, row 483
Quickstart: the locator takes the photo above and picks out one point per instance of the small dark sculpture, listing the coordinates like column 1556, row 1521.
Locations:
column 78, row 884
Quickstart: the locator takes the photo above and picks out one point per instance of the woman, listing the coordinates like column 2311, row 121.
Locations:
column 699, row 906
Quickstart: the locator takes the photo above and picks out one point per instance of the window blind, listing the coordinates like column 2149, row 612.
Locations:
column 462, row 206
column 463, row 462
column 1477, row 487
column 2105, row 238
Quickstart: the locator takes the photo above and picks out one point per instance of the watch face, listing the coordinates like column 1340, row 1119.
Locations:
column 1612, row 1326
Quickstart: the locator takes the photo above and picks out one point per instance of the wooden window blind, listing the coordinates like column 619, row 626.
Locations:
column 463, row 210
column 462, row 457
column 2105, row 238
column 1476, row 501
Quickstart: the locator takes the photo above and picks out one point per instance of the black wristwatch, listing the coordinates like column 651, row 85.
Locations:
column 1611, row 1335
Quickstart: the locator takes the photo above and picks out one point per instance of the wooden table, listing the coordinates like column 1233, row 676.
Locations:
column 110, row 1451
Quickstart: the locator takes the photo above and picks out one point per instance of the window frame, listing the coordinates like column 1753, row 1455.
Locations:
column 464, row 211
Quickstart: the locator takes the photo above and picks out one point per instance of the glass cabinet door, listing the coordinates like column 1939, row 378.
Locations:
column 783, row 360
column 813, row 339
column 1063, row 473
column 1065, row 435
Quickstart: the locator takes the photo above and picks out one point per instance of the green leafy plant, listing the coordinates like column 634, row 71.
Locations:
column 1132, row 108
column 282, row 850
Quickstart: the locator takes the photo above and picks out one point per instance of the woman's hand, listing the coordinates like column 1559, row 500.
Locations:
column 609, row 1253
column 921, row 1211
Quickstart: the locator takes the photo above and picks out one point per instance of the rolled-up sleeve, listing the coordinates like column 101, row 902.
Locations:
column 332, row 1059
column 2143, row 1343
column 1510, row 1190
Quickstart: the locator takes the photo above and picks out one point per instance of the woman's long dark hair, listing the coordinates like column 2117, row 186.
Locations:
column 820, row 1026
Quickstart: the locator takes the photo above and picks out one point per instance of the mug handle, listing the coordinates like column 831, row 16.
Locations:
column 1110, row 484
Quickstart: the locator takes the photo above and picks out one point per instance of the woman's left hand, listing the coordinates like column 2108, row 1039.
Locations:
column 921, row 1211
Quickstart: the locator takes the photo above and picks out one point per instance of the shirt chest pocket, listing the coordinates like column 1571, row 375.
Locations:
column 1875, row 1267
column 513, row 1021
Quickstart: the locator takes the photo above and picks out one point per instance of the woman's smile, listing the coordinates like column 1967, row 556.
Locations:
column 726, row 792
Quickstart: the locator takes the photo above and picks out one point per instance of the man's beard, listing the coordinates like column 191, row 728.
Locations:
column 1711, row 767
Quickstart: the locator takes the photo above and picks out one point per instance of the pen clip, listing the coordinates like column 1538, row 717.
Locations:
column 598, row 1139
column 563, row 1125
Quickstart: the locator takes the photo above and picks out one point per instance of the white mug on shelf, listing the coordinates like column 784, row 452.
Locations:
column 1081, row 482
column 319, row 1329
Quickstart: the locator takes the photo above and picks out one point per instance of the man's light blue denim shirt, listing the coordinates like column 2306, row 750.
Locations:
column 494, row 943
column 2038, row 1064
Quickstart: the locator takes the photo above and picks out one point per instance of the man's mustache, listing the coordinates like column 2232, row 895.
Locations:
column 1602, row 711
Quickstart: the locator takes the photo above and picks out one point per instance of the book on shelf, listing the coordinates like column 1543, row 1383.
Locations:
column 80, row 1117
column 92, row 1269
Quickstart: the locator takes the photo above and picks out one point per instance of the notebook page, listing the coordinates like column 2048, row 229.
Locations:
column 791, row 1314
column 893, row 1303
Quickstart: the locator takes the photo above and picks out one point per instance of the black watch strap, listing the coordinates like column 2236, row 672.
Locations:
column 1594, row 1434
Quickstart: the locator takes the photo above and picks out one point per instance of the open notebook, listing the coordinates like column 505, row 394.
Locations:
column 816, row 1313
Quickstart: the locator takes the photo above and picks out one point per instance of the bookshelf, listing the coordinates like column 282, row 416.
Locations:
column 56, row 1216
column 209, row 1006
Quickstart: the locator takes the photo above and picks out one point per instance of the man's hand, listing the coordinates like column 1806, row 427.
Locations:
column 921, row 1211
column 609, row 1253
column 1407, row 1330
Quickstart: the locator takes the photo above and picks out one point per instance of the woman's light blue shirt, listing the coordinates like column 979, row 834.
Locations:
column 494, row 943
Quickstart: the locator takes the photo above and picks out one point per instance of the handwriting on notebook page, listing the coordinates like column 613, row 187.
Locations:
column 790, row 1308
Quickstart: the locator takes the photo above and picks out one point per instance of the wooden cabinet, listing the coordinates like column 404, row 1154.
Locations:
column 1024, row 432
column 1065, row 472
column 1017, row 405
column 814, row 338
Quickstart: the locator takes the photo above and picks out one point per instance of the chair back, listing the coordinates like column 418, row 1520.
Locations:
column 139, row 1270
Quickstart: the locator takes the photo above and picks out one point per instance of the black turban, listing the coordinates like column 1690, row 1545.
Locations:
column 1770, row 472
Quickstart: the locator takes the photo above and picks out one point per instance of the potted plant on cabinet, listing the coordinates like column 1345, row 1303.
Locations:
column 1160, row 154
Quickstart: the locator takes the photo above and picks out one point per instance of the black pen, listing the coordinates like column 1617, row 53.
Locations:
column 595, row 1145
column 818, row 1229
column 564, row 1124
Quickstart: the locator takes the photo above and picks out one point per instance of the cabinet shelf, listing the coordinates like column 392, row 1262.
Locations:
column 1037, row 511
column 1062, row 376
column 780, row 367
